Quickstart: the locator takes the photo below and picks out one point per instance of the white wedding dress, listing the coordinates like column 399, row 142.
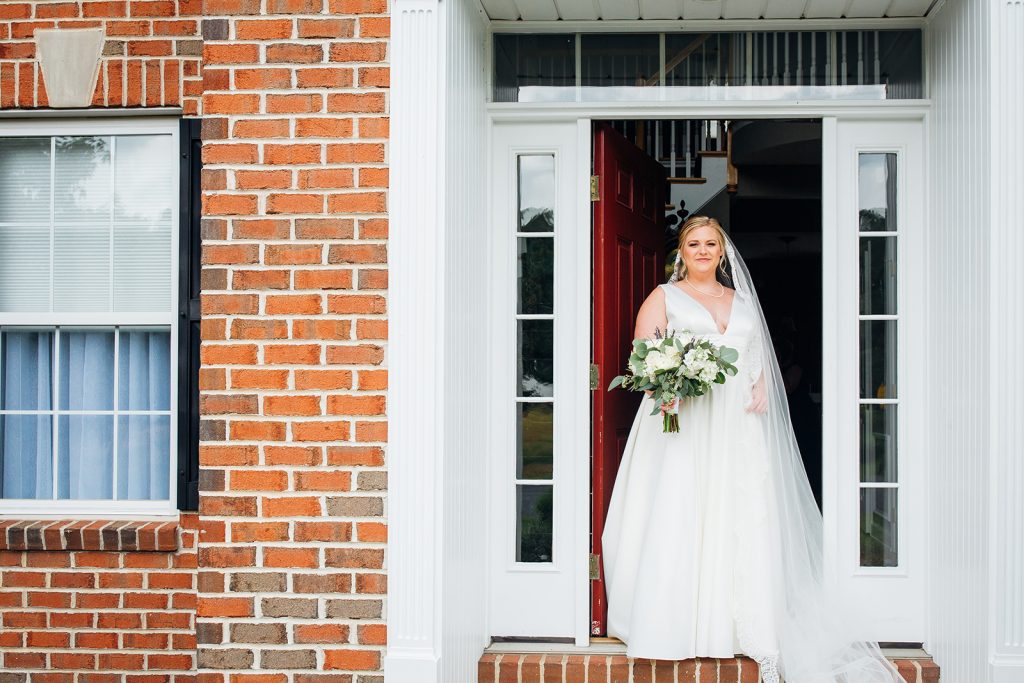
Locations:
column 713, row 543
column 685, row 537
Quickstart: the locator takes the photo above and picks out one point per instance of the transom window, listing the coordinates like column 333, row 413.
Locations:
column 88, row 240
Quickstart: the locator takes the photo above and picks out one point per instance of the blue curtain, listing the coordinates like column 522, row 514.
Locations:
column 143, row 448
column 26, row 440
column 85, row 451
column 85, row 457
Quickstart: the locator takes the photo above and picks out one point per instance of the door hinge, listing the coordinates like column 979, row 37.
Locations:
column 595, row 376
column 595, row 188
column 595, row 566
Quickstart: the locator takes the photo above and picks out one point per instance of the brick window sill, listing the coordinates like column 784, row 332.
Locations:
column 107, row 535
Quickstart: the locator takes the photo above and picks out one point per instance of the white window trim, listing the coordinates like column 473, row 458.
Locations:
column 108, row 509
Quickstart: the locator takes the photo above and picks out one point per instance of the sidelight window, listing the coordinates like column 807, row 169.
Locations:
column 879, row 397
column 534, row 476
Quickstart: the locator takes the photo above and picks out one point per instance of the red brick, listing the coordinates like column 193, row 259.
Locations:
column 326, row 28
column 323, row 279
column 357, row 202
column 323, row 481
column 228, row 354
column 307, row 558
column 224, row 607
column 372, row 102
column 261, row 128
column 374, row 128
column 216, row 53
column 220, row 103
column 291, row 154
column 57, row 10
column 324, row 228
column 357, row 253
column 364, row 354
column 321, row 329
column 150, row 48
column 264, row 29
column 293, row 455
column 292, row 507
column 358, row 52
column 372, row 380
column 356, row 303
column 291, row 405
column 323, row 127
column 320, row 431
column 355, row 153
column 321, row 633
column 250, row 532
column 259, row 329
column 323, row 531
column 305, row 354
column 252, row 430
column 372, row 329
column 259, row 379
column 374, row 27
column 340, row 404
column 261, row 228
column 352, row 660
column 260, row 79
column 246, row 7
column 258, row 480
column 372, row 532
column 325, row 77
column 153, row 8
column 295, row 6
column 358, row 6
column 260, row 279
column 326, row 178
column 293, row 254
column 228, row 304
column 291, row 53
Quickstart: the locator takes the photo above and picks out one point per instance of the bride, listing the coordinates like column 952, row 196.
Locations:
column 713, row 540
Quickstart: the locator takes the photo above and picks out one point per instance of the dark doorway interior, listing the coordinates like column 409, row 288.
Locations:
column 762, row 180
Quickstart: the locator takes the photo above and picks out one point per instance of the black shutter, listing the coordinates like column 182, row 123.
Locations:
column 189, row 265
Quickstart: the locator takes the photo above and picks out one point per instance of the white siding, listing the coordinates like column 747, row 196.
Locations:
column 464, row 148
column 958, row 442
column 1007, row 307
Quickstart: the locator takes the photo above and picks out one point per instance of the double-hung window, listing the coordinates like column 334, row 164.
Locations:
column 88, row 302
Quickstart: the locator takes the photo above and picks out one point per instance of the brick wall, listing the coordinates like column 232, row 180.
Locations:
column 151, row 56
column 291, row 556
column 98, row 616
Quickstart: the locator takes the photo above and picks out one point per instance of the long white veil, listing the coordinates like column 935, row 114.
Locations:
column 815, row 634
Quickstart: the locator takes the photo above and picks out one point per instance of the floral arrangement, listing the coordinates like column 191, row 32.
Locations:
column 673, row 367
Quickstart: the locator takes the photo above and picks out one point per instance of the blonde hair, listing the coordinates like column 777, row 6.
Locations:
column 691, row 224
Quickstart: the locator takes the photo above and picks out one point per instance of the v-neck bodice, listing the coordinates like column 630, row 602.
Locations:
column 684, row 312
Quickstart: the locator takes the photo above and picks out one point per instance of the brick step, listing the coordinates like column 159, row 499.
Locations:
column 554, row 667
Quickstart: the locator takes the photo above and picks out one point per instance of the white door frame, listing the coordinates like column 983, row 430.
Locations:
column 832, row 114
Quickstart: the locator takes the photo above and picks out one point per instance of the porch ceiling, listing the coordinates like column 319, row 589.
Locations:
column 615, row 10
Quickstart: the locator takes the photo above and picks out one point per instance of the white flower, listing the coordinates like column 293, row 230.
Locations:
column 657, row 361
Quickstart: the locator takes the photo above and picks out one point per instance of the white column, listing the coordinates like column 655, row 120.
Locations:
column 416, row 268
column 1006, row 363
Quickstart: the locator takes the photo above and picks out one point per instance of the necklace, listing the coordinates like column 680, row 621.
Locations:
column 717, row 296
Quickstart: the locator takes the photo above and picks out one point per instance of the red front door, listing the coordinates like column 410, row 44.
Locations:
column 629, row 257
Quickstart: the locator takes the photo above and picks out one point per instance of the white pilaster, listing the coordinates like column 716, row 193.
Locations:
column 1006, row 654
column 416, row 266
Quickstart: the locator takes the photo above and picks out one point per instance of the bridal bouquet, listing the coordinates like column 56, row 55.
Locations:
column 674, row 367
